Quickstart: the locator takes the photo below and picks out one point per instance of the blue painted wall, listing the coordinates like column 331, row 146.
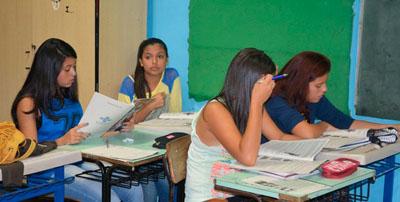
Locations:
column 169, row 21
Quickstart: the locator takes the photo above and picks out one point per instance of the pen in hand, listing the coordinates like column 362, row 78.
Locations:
column 277, row 77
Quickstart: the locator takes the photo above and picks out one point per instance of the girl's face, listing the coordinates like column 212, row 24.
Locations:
column 154, row 60
column 317, row 88
column 67, row 75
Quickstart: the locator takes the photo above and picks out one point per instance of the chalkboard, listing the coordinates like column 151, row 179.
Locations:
column 378, row 78
column 218, row 29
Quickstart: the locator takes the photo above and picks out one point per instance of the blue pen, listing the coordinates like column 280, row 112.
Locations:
column 277, row 77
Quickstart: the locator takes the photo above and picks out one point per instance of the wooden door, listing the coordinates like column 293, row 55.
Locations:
column 73, row 22
column 16, row 52
column 122, row 27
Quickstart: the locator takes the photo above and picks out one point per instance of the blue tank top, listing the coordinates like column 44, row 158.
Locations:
column 68, row 117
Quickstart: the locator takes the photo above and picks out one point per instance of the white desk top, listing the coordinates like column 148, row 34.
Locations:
column 365, row 154
column 49, row 160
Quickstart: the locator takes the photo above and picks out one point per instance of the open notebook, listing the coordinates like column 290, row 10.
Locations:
column 120, row 152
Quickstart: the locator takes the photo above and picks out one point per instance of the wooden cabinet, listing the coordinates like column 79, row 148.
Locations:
column 25, row 24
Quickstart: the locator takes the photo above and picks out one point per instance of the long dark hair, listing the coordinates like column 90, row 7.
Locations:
column 41, row 82
column 141, row 85
column 302, row 69
column 245, row 69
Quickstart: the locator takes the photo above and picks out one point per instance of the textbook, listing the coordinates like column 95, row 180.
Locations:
column 305, row 150
column 346, row 139
column 105, row 114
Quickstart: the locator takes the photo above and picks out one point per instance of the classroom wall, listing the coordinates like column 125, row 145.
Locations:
column 169, row 20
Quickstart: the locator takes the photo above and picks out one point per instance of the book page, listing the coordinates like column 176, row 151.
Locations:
column 102, row 113
column 293, row 149
column 119, row 152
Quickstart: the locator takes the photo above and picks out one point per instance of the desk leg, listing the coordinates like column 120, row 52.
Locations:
column 388, row 186
column 59, row 191
column 106, row 185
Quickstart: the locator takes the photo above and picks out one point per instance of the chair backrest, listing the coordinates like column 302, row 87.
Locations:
column 175, row 158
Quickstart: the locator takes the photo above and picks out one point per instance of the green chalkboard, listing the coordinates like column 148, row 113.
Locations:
column 378, row 79
column 218, row 29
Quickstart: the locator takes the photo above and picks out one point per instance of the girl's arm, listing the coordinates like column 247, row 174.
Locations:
column 27, row 124
column 306, row 130
column 243, row 148
column 272, row 132
column 219, row 122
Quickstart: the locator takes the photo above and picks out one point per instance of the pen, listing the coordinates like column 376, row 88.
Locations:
column 277, row 77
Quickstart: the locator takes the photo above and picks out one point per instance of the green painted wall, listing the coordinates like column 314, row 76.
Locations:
column 218, row 29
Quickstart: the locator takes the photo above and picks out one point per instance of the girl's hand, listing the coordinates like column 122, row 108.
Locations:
column 73, row 136
column 158, row 100
column 128, row 124
column 262, row 89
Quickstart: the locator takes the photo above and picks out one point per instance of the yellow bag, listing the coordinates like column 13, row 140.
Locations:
column 11, row 139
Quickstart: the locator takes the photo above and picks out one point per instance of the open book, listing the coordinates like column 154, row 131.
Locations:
column 305, row 150
column 107, row 114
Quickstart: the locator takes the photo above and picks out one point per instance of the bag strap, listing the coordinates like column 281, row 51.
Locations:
column 28, row 151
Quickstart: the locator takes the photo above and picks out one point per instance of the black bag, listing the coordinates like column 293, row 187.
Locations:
column 161, row 142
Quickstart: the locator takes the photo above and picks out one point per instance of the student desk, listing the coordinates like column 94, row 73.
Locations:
column 365, row 155
column 53, row 160
column 143, row 139
column 372, row 156
column 299, row 190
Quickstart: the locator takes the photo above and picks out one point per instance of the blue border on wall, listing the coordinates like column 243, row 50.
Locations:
column 353, row 70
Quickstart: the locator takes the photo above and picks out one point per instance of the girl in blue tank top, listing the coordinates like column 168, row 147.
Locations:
column 47, row 109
